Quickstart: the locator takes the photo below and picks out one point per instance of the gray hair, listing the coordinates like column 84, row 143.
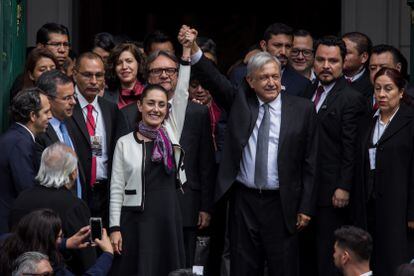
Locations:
column 27, row 262
column 49, row 81
column 259, row 60
column 56, row 165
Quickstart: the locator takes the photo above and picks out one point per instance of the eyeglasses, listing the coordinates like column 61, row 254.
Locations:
column 305, row 52
column 58, row 44
column 48, row 273
column 67, row 98
column 88, row 75
column 158, row 71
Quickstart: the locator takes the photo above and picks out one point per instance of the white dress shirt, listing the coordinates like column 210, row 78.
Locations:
column 327, row 89
column 247, row 163
column 380, row 126
column 101, row 161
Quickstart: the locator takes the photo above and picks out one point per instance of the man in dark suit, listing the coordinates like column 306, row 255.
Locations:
column 358, row 48
column 196, row 140
column 277, row 40
column 57, row 176
column 95, row 124
column 30, row 110
column 61, row 93
column 268, row 165
column 339, row 109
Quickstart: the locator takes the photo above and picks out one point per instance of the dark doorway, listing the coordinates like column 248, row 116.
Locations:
column 233, row 33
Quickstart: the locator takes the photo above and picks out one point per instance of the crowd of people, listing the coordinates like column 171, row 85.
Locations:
column 298, row 161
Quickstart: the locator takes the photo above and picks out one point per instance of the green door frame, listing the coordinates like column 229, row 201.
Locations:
column 12, row 51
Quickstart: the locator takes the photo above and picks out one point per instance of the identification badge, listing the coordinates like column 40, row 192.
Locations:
column 372, row 154
column 96, row 145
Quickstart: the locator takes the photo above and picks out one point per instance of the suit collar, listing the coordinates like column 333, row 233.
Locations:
column 287, row 115
column 24, row 130
column 52, row 133
column 403, row 116
column 333, row 94
column 80, row 121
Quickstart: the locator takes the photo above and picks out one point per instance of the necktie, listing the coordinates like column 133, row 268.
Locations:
column 90, row 125
column 318, row 95
column 375, row 106
column 68, row 142
column 262, row 146
column 349, row 80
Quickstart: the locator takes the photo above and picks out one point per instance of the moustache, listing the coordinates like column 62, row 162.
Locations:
column 326, row 72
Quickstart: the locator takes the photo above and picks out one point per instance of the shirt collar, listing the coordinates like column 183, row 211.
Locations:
column 369, row 273
column 377, row 113
column 82, row 101
column 55, row 122
column 357, row 76
column 327, row 88
column 273, row 104
column 25, row 127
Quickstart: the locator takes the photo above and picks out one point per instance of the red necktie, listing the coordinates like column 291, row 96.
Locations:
column 318, row 95
column 349, row 80
column 90, row 125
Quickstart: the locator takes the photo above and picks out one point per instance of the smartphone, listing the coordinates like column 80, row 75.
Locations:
column 96, row 228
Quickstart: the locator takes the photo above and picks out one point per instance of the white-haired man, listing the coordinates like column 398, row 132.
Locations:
column 32, row 263
column 268, row 165
column 56, row 176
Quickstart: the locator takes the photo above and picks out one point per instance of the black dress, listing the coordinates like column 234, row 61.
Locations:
column 152, row 240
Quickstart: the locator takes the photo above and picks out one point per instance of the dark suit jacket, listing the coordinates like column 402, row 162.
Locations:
column 17, row 168
column 199, row 162
column 364, row 86
column 297, row 141
column 338, row 120
column 394, row 188
column 115, row 126
column 295, row 84
column 72, row 211
column 50, row 137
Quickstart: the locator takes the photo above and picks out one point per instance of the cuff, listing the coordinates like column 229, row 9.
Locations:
column 114, row 229
column 196, row 57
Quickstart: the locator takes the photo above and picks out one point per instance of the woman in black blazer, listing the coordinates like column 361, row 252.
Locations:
column 384, row 198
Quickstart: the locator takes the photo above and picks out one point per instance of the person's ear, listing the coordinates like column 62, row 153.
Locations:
column 398, row 66
column 33, row 116
column 263, row 45
column 139, row 104
column 365, row 57
column 250, row 81
column 73, row 175
column 31, row 76
column 345, row 257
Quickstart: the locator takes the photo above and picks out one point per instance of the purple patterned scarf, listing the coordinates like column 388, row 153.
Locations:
column 162, row 145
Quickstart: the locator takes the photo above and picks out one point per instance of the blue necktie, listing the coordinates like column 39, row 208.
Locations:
column 68, row 142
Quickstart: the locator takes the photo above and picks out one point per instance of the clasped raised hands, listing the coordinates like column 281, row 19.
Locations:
column 187, row 36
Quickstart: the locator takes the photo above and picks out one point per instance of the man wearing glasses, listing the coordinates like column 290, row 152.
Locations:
column 301, row 56
column 96, row 124
column 54, row 37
